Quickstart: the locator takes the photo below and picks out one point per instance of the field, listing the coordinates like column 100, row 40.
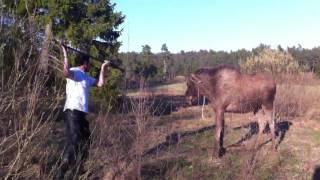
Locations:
column 181, row 147
column 140, row 124
column 157, row 135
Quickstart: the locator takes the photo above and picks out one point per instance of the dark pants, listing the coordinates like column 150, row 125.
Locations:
column 77, row 134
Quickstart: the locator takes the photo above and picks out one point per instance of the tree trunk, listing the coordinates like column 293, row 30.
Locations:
column 2, row 79
column 2, row 65
column 44, row 56
column 141, row 83
column 164, row 69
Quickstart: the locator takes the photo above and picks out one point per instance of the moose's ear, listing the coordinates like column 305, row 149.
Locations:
column 195, row 79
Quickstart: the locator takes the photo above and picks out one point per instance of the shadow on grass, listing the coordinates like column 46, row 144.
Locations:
column 158, row 105
column 316, row 173
column 281, row 129
column 175, row 138
column 163, row 167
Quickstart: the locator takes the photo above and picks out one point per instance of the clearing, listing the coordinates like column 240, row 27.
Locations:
column 181, row 148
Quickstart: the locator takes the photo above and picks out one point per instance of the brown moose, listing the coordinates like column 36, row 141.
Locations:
column 229, row 90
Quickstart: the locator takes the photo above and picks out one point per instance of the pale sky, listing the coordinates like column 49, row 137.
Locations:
column 218, row 24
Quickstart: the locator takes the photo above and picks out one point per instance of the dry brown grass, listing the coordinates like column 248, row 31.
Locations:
column 119, row 141
column 297, row 100
column 296, row 96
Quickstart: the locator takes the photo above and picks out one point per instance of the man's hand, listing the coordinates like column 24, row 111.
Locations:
column 65, row 58
column 105, row 64
column 64, row 50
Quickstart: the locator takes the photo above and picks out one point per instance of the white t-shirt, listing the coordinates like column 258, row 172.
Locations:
column 77, row 90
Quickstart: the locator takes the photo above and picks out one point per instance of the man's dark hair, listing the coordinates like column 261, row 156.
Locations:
column 82, row 59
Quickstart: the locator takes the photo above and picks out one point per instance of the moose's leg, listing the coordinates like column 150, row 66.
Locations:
column 271, row 121
column 262, row 122
column 219, row 150
column 202, row 109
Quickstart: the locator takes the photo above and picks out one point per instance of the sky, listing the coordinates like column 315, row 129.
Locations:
column 228, row 25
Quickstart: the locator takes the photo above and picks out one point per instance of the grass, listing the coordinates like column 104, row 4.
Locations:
column 121, row 138
column 295, row 159
column 172, row 89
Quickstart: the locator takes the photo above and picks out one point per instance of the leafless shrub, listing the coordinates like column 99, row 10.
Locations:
column 31, row 141
column 295, row 97
column 28, row 109
column 300, row 78
column 272, row 61
column 119, row 140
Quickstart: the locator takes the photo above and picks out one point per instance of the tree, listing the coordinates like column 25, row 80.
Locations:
column 165, row 58
column 144, row 68
column 2, row 65
column 260, row 48
column 146, row 52
column 280, row 48
column 91, row 26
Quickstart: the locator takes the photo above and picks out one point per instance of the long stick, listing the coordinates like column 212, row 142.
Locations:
column 112, row 63
column 80, row 52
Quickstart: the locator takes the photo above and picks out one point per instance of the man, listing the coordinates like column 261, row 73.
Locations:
column 76, row 105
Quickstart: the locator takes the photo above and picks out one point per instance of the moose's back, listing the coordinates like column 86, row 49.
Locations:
column 226, row 86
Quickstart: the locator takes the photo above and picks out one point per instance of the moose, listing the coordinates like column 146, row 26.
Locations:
column 230, row 90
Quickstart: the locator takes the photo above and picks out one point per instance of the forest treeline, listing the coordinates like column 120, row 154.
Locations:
column 164, row 66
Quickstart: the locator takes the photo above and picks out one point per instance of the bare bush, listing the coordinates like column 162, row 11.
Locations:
column 119, row 141
column 293, row 100
column 293, row 97
column 300, row 78
column 31, row 140
column 28, row 109
column 273, row 61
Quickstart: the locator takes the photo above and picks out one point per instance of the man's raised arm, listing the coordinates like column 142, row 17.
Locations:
column 66, row 71
column 100, row 82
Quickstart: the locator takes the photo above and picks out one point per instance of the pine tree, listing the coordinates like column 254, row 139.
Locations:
column 89, row 25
